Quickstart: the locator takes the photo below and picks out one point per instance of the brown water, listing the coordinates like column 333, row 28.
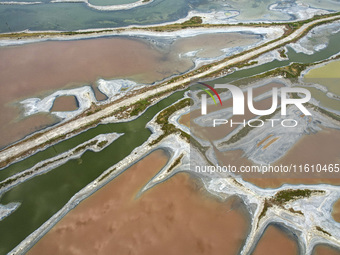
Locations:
column 98, row 94
column 37, row 69
column 325, row 250
column 175, row 217
column 15, row 129
column 308, row 151
column 336, row 211
column 29, row 69
column 64, row 103
column 33, row 70
column 275, row 241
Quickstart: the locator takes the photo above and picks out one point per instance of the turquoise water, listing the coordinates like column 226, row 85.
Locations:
column 74, row 16
column 111, row 2
column 43, row 1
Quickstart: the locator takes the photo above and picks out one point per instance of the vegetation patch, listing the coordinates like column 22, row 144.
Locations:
column 294, row 211
column 107, row 174
column 291, row 71
column 163, row 120
column 245, row 64
column 284, row 196
column 266, row 206
column 168, row 128
column 195, row 21
column 282, row 53
column 102, row 144
column 322, row 230
column 176, row 163
column 48, row 162
column 82, row 147
column 140, row 106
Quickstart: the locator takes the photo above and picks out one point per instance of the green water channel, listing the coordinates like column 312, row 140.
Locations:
column 332, row 48
column 42, row 196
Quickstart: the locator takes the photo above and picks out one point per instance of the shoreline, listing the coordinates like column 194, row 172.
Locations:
column 62, row 130
column 95, row 144
column 115, row 7
column 93, row 32
column 136, row 155
column 274, row 32
column 112, row 88
column 293, row 221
